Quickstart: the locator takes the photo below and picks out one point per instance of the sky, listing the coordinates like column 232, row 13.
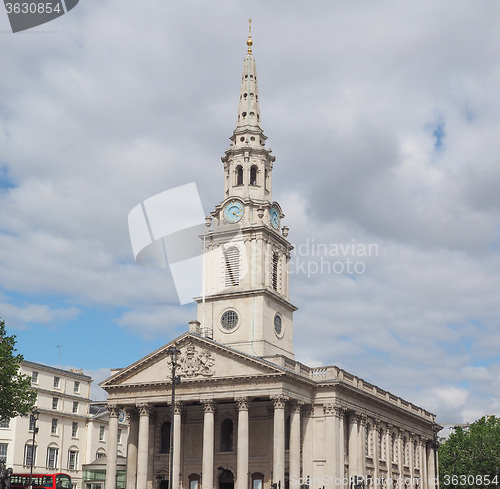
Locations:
column 384, row 119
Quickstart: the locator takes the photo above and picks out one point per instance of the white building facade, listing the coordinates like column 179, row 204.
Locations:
column 247, row 414
column 69, row 433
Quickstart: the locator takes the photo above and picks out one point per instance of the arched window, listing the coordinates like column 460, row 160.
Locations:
column 52, row 455
column 253, row 175
column 29, row 453
column 165, row 437
column 231, row 266
column 226, row 435
column 381, row 445
column 394, row 449
column 239, row 175
column 265, row 179
column 257, row 480
column 194, row 481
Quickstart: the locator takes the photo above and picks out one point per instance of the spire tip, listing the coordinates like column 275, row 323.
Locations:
column 249, row 41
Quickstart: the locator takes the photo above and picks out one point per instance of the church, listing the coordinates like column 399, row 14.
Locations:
column 247, row 414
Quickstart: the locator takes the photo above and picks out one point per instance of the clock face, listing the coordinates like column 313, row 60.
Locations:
column 274, row 217
column 233, row 212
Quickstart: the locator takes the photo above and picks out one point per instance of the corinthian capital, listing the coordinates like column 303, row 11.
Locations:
column 279, row 401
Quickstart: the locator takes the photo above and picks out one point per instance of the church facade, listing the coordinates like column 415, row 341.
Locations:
column 246, row 413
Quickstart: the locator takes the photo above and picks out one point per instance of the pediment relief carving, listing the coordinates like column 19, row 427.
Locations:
column 195, row 361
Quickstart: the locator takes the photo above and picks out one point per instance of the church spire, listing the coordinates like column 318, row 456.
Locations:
column 248, row 124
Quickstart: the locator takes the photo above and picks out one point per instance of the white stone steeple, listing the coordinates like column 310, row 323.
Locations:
column 248, row 164
column 245, row 300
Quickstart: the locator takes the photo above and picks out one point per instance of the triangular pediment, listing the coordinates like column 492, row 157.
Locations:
column 200, row 359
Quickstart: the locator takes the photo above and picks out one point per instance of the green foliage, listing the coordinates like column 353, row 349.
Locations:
column 470, row 457
column 16, row 395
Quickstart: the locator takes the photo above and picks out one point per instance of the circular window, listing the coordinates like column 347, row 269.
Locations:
column 278, row 327
column 229, row 320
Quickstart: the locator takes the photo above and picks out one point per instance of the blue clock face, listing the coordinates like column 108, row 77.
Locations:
column 233, row 212
column 274, row 217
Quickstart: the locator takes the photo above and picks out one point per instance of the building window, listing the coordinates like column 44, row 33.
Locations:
column 34, row 377
column 53, row 427
column 253, row 175
column 287, row 433
column 57, row 382
column 55, row 402
column 119, row 437
column 194, row 481
column 100, row 453
column 101, row 433
column 74, row 429
column 75, row 406
column 265, row 179
column 29, row 455
column 231, row 266
column 52, row 453
column 226, row 435
column 32, row 423
column 394, row 449
column 257, row 480
column 381, row 445
column 165, row 437
column 4, row 422
column 76, row 388
column 3, row 452
column 72, row 459
column 239, row 175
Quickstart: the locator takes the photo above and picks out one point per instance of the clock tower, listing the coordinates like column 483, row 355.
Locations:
column 245, row 299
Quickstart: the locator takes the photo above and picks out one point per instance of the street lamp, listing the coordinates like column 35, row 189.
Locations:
column 34, row 417
column 435, row 445
column 174, row 353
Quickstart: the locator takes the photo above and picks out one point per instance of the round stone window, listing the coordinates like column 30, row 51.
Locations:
column 229, row 320
column 278, row 327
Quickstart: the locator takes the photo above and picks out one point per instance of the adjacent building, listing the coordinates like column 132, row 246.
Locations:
column 247, row 414
column 71, row 430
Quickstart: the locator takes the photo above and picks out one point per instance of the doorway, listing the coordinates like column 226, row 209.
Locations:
column 226, row 479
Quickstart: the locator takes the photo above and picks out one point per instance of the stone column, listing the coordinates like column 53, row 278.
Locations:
column 423, row 465
column 177, row 445
column 295, row 441
column 243, row 404
column 279, row 440
column 431, row 468
column 362, row 445
column 388, row 451
column 143, row 445
column 399, row 438
column 330, row 440
column 208, row 444
column 112, row 446
column 353, row 446
column 340, row 442
column 376, row 451
column 132, row 441
column 411, row 457
column 307, row 454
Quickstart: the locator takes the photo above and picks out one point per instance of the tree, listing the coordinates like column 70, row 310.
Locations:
column 470, row 457
column 16, row 395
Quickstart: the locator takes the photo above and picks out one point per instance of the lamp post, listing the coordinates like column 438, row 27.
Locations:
column 174, row 352
column 34, row 416
column 435, row 446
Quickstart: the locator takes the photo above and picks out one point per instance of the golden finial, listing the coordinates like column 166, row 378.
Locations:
column 249, row 41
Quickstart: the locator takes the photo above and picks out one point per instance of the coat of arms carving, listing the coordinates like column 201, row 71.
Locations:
column 196, row 361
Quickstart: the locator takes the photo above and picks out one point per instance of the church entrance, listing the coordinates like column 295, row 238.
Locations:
column 226, row 479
